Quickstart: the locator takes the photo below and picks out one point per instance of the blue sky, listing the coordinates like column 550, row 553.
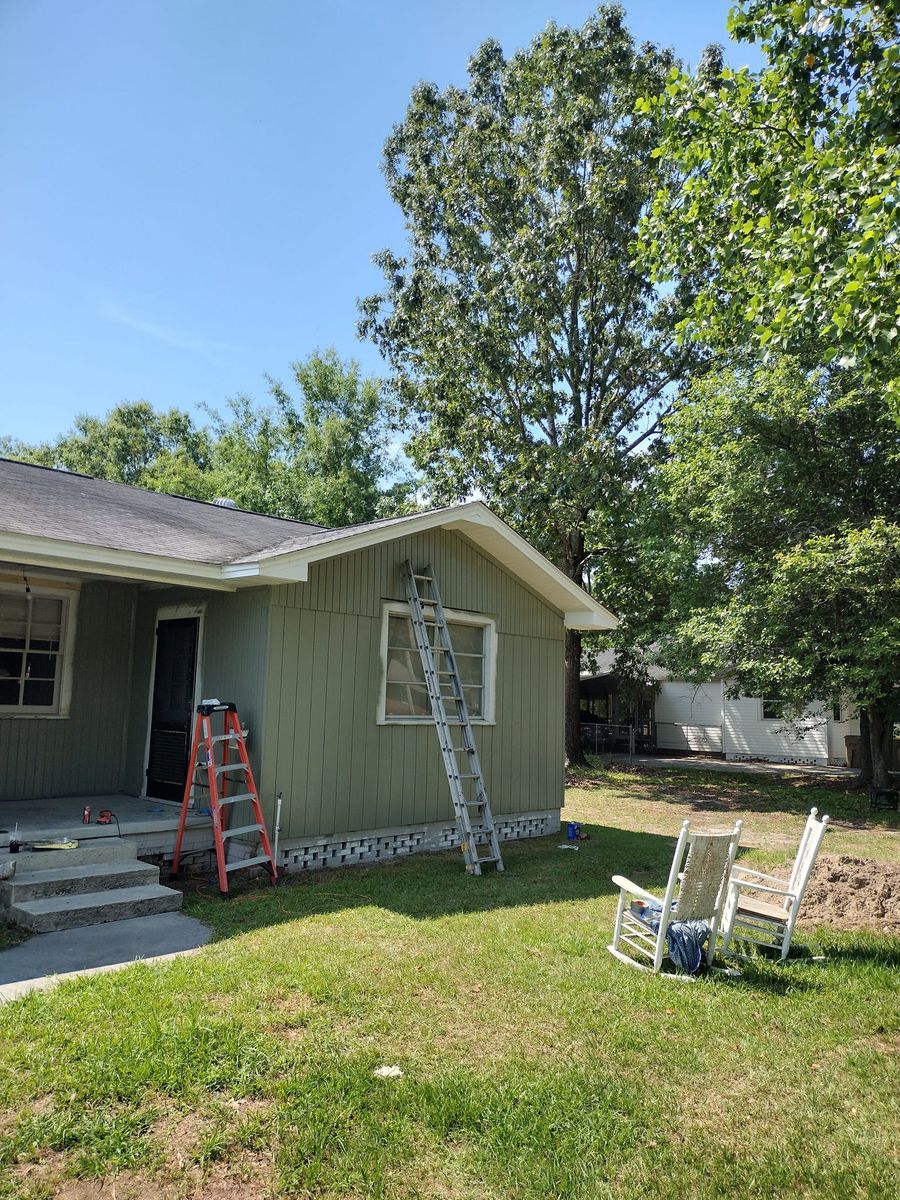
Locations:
column 191, row 189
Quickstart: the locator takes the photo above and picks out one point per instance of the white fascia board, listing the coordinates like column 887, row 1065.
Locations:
column 485, row 530
column 102, row 560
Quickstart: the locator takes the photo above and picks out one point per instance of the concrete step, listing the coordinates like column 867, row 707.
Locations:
column 104, row 849
column 94, row 908
column 68, row 881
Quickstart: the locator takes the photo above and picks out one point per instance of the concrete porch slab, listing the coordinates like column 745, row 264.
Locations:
column 48, row 958
column 41, row 820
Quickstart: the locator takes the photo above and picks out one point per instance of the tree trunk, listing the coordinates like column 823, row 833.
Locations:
column 574, row 752
column 881, row 739
column 865, row 749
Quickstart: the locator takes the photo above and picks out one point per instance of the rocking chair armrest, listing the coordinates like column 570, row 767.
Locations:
column 784, row 890
column 633, row 889
column 737, row 869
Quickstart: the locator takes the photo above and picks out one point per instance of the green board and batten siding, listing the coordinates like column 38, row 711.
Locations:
column 82, row 754
column 341, row 771
column 303, row 662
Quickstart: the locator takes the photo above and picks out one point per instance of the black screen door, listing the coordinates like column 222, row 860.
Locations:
column 171, row 713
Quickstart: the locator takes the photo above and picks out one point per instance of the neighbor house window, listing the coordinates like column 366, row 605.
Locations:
column 32, row 638
column 772, row 710
column 404, row 695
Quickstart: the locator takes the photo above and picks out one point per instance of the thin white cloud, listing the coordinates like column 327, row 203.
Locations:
column 179, row 338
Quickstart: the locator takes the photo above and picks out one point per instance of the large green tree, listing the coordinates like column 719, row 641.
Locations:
column 531, row 350
column 132, row 444
column 791, row 201
column 322, row 455
column 786, row 486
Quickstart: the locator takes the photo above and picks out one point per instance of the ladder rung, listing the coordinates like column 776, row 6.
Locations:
column 230, row 833
column 247, row 862
column 224, row 737
column 235, row 799
column 467, row 775
column 235, row 766
column 424, row 578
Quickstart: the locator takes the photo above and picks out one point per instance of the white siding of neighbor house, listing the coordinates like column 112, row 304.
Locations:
column 689, row 716
column 748, row 735
column 838, row 731
column 700, row 719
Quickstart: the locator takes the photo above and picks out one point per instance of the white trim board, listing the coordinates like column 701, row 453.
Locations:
column 491, row 535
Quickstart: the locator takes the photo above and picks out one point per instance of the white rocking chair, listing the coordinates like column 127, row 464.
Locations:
column 769, row 920
column 699, row 875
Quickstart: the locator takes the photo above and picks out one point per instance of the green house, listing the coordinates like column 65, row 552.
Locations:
column 120, row 609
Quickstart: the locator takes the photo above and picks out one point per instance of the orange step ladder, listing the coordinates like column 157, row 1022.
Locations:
column 218, row 776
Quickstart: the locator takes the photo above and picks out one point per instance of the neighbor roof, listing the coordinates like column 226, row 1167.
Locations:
column 66, row 520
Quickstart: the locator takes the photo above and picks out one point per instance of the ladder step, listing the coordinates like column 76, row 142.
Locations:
column 235, row 799
column 230, row 833
column 224, row 737
column 424, row 578
column 235, row 766
column 247, row 862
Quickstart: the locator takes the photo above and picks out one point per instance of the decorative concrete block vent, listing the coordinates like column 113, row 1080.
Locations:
column 791, row 759
column 379, row 845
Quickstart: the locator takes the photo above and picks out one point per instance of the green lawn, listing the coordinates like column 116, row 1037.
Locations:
column 534, row 1064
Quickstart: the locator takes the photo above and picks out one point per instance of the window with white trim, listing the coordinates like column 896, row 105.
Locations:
column 404, row 696
column 32, row 643
column 772, row 710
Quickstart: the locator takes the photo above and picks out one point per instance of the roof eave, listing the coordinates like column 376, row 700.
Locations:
column 83, row 558
column 473, row 519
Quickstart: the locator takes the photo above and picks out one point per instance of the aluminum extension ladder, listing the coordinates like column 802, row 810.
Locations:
column 460, row 761
column 218, row 776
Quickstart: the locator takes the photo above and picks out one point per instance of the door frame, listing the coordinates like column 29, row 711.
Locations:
column 173, row 612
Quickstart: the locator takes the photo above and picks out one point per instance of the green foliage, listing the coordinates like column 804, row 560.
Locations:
column 128, row 445
column 533, row 353
column 787, row 485
column 792, row 179
column 324, row 457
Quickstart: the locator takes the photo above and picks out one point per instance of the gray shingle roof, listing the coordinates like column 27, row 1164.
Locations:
column 42, row 502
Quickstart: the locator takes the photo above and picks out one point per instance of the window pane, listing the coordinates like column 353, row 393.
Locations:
column 9, row 691
column 13, row 620
column 41, row 666
column 406, row 700
column 46, row 611
column 10, row 665
column 474, row 701
column 772, row 710
column 400, row 632
column 405, row 665
column 39, row 692
column 471, row 669
column 467, row 639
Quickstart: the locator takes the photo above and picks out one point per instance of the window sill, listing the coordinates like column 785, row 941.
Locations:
column 428, row 722
column 33, row 716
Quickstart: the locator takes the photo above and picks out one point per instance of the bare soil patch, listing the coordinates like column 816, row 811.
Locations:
column 854, row 893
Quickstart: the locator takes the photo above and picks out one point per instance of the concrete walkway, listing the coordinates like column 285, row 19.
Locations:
column 689, row 762
column 49, row 958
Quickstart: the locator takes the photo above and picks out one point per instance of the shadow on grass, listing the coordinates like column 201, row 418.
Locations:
column 716, row 791
column 427, row 886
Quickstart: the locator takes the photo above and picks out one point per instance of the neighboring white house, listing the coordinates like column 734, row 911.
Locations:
column 701, row 719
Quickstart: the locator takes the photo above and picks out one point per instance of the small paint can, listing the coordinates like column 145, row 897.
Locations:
column 572, row 830
column 86, row 815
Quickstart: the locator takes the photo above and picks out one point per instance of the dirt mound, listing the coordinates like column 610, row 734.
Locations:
column 853, row 893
